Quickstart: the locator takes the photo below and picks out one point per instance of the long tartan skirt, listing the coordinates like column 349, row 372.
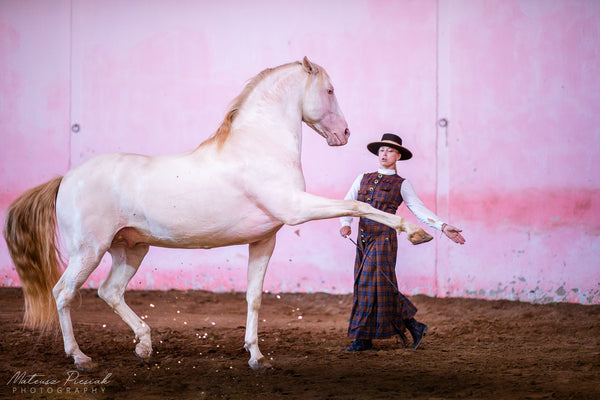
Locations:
column 379, row 309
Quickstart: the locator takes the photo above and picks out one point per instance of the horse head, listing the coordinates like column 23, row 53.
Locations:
column 320, row 109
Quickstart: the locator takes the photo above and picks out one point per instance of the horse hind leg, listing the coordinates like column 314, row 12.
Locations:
column 79, row 269
column 126, row 261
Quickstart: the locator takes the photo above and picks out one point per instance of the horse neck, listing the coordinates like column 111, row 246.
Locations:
column 272, row 113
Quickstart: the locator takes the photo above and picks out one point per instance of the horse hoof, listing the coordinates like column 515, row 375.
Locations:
column 143, row 352
column 419, row 237
column 143, row 360
column 85, row 366
column 259, row 364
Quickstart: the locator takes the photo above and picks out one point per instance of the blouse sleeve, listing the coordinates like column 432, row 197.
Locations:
column 416, row 206
column 351, row 195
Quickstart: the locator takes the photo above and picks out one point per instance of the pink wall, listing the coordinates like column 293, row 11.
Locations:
column 516, row 166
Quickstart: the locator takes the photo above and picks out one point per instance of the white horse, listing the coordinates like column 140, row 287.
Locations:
column 239, row 186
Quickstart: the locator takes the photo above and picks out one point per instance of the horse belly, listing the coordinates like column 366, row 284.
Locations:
column 193, row 238
column 200, row 222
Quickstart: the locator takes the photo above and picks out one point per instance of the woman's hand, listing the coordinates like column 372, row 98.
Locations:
column 345, row 231
column 453, row 233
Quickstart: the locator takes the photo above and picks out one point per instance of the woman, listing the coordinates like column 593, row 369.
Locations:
column 380, row 310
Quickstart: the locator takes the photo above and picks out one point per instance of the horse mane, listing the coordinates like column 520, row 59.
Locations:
column 223, row 131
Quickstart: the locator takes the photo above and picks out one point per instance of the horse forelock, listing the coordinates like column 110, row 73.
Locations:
column 224, row 130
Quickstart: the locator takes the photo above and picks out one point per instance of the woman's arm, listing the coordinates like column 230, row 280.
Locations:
column 416, row 206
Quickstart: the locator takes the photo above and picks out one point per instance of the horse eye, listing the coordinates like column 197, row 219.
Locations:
column 330, row 91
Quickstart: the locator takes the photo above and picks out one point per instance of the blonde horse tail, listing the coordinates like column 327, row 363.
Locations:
column 31, row 235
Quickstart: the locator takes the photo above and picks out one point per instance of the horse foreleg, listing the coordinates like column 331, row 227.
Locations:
column 259, row 255
column 126, row 262
column 79, row 269
column 303, row 207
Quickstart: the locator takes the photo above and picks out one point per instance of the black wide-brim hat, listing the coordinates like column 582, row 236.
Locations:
column 390, row 140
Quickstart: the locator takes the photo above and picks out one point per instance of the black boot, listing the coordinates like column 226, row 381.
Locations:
column 360, row 345
column 417, row 331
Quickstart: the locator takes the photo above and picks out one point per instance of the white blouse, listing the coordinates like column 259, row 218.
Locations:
column 412, row 201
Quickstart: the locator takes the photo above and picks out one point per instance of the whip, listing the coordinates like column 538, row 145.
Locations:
column 386, row 277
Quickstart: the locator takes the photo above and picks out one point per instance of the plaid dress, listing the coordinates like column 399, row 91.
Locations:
column 379, row 309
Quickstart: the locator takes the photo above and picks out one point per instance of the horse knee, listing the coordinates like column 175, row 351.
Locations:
column 109, row 295
column 254, row 303
column 254, row 298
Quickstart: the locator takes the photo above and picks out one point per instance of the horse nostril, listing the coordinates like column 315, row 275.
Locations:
column 347, row 133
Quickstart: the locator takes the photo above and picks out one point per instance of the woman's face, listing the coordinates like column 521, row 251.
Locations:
column 388, row 157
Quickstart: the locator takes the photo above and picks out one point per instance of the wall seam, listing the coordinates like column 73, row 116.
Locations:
column 437, row 137
column 70, row 132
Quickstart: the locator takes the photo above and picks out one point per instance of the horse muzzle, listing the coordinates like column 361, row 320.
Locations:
column 336, row 139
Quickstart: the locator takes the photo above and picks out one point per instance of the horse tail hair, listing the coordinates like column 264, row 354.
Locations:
column 31, row 235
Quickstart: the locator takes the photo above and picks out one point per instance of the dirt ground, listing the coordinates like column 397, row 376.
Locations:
column 474, row 349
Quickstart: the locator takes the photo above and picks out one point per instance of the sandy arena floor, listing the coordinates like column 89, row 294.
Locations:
column 475, row 349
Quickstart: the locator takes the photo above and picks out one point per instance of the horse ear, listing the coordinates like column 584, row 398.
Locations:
column 309, row 67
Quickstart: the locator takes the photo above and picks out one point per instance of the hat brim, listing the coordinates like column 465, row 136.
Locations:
column 404, row 152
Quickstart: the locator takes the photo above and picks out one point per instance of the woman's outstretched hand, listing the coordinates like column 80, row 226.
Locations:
column 453, row 234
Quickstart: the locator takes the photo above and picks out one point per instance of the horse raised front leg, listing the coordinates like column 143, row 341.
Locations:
column 259, row 256
column 305, row 207
column 415, row 234
column 126, row 262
